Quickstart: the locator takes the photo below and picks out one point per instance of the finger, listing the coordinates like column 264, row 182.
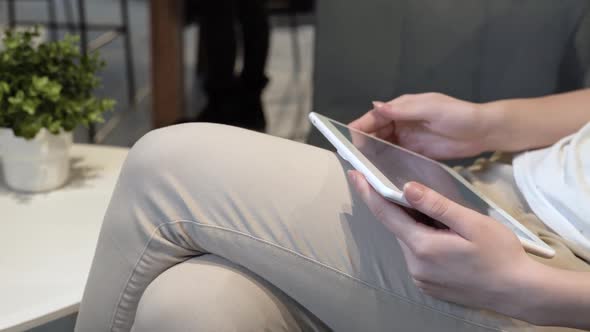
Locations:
column 433, row 145
column 445, row 149
column 365, row 142
column 419, row 107
column 403, row 227
column 462, row 220
column 404, row 112
column 370, row 122
column 386, row 133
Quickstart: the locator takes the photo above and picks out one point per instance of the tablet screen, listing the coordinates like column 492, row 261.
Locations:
column 401, row 166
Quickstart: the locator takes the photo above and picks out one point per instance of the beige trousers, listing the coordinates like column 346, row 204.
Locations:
column 214, row 228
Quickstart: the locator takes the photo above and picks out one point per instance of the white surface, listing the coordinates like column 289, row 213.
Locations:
column 38, row 164
column 47, row 240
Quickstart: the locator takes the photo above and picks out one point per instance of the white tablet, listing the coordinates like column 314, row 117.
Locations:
column 387, row 167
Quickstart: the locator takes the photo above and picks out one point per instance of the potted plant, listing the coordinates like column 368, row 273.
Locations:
column 45, row 92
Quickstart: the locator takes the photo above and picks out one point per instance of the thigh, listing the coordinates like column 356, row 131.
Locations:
column 281, row 209
column 209, row 293
column 495, row 180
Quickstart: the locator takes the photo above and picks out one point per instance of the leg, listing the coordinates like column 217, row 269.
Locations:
column 281, row 209
column 218, row 24
column 253, row 18
column 495, row 180
column 217, row 42
column 208, row 293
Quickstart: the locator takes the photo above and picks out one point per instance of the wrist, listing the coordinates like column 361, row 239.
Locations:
column 534, row 294
column 495, row 126
column 557, row 297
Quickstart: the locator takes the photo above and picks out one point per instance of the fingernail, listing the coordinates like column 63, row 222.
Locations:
column 413, row 191
column 378, row 104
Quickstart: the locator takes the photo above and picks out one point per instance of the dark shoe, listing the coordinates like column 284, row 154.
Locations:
column 214, row 113
column 245, row 111
column 240, row 106
column 251, row 114
column 220, row 111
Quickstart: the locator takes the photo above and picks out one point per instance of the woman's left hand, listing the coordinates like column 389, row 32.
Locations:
column 477, row 262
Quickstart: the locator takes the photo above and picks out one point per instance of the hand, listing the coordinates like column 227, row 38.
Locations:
column 432, row 124
column 477, row 262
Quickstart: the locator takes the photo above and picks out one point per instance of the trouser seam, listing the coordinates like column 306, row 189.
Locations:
column 134, row 270
column 295, row 254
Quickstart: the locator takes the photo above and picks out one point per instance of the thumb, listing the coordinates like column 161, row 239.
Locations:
column 385, row 211
column 458, row 218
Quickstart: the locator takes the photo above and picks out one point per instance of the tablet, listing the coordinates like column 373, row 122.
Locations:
column 387, row 167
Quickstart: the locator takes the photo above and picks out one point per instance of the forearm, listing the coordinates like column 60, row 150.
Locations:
column 554, row 297
column 521, row 124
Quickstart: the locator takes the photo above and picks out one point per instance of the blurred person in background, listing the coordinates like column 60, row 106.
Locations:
column 232, row 98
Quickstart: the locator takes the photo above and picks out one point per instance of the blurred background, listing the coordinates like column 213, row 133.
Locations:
column 289, row 66
column 331, row 56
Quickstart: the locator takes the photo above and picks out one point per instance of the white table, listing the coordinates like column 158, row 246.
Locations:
column 47, row 240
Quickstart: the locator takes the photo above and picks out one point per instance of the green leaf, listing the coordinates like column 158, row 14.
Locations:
column 17, row 99
column 48, row 86
column 54, row 127
column 4, row 87
column 10, row 43
column 40, row 82
column 29, row 107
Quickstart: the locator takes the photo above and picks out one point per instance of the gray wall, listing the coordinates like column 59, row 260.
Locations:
column 478, row 50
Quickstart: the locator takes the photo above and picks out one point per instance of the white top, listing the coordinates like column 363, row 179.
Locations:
column 555, row 182
column 47, row 240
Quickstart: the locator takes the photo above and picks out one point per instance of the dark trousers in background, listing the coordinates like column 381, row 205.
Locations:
column 234, row 98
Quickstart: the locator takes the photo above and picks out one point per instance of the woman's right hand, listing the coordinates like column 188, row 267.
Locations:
column 432, row 124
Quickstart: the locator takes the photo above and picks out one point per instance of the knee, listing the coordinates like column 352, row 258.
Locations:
column 208, row 293
column 163, row 150
column 176, row 139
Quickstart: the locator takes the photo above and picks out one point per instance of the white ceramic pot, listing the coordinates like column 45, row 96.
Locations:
column 39, row 164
